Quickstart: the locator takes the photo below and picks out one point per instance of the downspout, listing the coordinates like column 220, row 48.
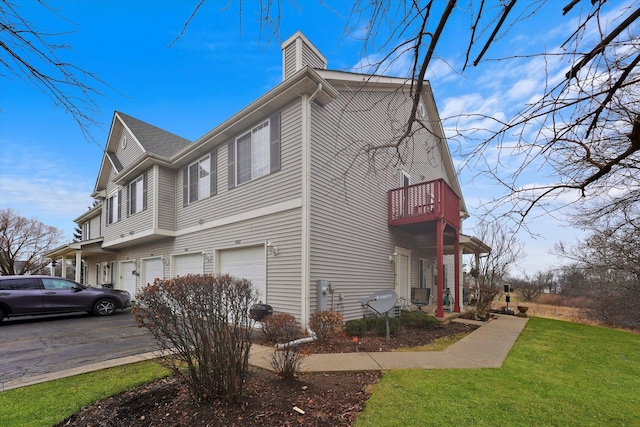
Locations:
column 311, row 338
column 306, row 216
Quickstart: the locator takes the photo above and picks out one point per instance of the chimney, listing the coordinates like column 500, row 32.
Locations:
column 298, row 52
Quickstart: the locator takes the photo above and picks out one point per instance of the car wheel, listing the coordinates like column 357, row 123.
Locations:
column 104, row 307
column 2, row 315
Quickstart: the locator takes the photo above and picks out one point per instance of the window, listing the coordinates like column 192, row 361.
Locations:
column 138, row 195
column 405, row 179
column 423, row 271
column 113, row 208
column 200, row 179
column 86, row 230
column 21, row 284
column 255, row 153
column 106, row 272
column 54, row 283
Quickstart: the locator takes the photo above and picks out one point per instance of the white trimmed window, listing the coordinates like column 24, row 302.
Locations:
column 113, row 207
column 86, row 230
column 199, row 179
column 252, row 150
column 138, row 195
column 199, row 176
column 255, row 153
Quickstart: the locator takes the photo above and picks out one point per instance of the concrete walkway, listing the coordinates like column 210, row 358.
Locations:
column 486, row 347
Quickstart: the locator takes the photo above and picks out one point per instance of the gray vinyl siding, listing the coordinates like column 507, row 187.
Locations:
column 95, row 227
column 283, row 271
column 350, row 241
column 266, row 190
column 290, row 60
column 131, row 152
column 167, row 196
column 133, row 224
column 112, row 231
column 310, row 58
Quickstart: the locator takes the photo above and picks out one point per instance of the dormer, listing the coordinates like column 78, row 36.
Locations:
column 298, row 52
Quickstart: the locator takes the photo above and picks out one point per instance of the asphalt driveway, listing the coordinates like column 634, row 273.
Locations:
column 33, row 346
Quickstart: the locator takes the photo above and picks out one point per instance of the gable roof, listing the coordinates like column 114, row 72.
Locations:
column 153, row 139
column 155, row 143
column 340, row 79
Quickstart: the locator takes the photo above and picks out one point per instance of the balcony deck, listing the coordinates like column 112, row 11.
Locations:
column 423, row 203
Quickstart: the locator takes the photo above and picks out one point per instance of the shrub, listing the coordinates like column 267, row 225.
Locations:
column 375, row 325
column 203, row 323
column 355, row 328
column 380, row 325
column 549, row 299
column 286, row 361
column 280, row 328
column 418, row 319
column 326, row 324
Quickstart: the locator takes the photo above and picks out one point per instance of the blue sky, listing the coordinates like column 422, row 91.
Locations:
column 48, row 169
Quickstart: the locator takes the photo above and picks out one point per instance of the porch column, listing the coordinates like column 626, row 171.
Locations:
column 457, row 256
column 78, row 265
column 64, row 267
column 440, row 268
column 53, row 266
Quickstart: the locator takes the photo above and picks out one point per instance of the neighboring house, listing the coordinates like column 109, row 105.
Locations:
column 282, row 194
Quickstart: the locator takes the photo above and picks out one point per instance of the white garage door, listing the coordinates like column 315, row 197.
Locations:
column 248, row 264
column 188, row 264
column 152, row 269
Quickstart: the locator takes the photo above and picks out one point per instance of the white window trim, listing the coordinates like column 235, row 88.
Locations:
column 266, row 126
column 111, row 210
column 404, row 175
column 133, row 186
column 86, row 230
column 198, row 192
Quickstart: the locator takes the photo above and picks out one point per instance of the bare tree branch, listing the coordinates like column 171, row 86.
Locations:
column 30, row 54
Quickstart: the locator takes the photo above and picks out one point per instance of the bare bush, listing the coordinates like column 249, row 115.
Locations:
column 203, row 323
column 286, row 360
column 550, row 299
column 281, row 327
column 326, row 324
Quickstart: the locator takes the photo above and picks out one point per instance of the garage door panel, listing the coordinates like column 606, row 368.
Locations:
column 246, row 263
column 188, row 264
column 152, row 269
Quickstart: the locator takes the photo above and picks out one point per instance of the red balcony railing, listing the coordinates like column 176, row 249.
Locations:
column 426, row 201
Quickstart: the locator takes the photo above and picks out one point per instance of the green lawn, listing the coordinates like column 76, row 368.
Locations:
column 558, row 374
column 48, row 403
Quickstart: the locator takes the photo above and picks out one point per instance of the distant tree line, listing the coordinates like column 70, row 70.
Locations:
column 604, row 271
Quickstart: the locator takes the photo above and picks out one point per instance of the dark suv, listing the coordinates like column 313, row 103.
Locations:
column 32, row 295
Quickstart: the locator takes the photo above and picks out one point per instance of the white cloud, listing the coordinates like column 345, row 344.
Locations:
column 44, row 185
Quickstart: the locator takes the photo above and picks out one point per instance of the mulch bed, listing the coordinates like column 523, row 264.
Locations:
column 327, row 399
